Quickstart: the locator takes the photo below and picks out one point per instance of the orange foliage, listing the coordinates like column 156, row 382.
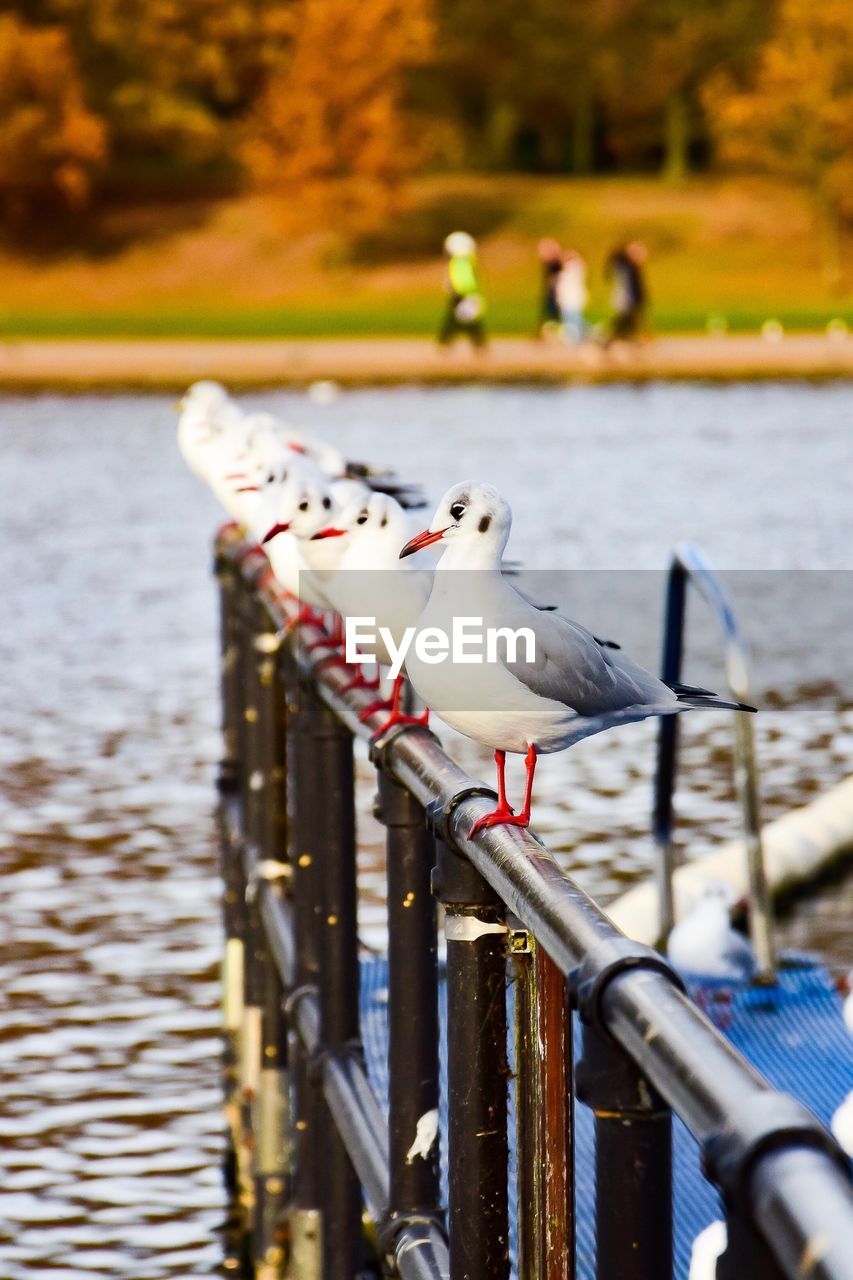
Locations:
column 330, row 132
column 796, row 115
column 49, row 141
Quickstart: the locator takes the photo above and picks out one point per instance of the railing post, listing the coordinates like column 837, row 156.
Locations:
column 233, row 882
column 544, row 1105
column 327, row 1224
column 477, row 1070
column 412, row 1008
column 633, row 1163
column 339, row 976
column 665, row 770
column 303, row 818
column 272, row 1112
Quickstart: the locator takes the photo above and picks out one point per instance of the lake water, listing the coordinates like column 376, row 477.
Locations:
column 109, row 1052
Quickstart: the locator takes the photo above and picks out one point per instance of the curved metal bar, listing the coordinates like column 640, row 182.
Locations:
column 689, row 565
column 792, row 1179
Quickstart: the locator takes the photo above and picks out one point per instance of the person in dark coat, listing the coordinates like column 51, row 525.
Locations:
column 551, row 258
column 629, row 297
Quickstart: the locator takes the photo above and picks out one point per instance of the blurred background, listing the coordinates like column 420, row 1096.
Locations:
column 291, row 167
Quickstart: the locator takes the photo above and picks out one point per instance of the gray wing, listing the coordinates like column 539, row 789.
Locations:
column 570, row 666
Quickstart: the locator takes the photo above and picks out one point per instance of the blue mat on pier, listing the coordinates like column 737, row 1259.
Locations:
column 793, row 1033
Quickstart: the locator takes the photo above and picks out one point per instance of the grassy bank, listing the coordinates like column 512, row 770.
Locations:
column 742, row 250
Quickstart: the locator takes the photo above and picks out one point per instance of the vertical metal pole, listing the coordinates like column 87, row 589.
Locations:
column 544, row 1115
column 412, row 1007
column 339, row 974
column 477, row 1070
column 272, row 1113
column 633, row 1164
column 667, row 757
column 746, row 781
column 256, row 957
column 303, row 816
column 233, row 886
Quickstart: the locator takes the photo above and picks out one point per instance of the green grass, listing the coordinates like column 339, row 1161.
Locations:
column 745, row 250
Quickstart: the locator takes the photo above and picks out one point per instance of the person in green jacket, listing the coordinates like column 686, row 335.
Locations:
column 466, row 306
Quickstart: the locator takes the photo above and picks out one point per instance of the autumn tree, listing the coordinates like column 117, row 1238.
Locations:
column 659, row 55
column 170, row 76
column 510, row 70
column 794, row 115
column 331, row 133
column 50, row 142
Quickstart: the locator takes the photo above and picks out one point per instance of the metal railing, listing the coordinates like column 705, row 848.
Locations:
column 688, row 567
column 312, row 1144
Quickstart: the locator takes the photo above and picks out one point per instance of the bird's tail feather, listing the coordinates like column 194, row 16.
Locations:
column 704, row 698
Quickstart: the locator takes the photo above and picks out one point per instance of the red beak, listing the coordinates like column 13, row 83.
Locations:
column 236, row 475
column 328, row 533
column 422, row 540
column 247, row 488
column 297, row 448
column 274, row 532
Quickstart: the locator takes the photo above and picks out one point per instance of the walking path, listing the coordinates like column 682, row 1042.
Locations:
column 165, row 364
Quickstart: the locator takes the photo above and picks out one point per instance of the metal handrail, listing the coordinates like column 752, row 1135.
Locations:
column 688, row 565
column 785, row 1182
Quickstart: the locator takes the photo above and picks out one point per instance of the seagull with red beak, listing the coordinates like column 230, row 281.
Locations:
column 546, row 682
column 372, row 582
column 301, row 538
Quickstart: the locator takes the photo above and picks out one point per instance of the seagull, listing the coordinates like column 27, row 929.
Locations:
column 372, row 582
column 206, row 414
column 570, row 687
column 304, row 509
column 705, row 945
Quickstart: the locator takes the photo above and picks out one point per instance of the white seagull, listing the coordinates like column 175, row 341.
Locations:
column 303, row 509
column 704, row 944
column 372, row 582
column 569, row 687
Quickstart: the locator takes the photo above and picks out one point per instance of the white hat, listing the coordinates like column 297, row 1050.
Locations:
column 460, row 245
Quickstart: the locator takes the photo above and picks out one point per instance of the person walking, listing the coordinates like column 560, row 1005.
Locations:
column 629, row 298
column 572, row 295
column 466, row 306
column 551, row 259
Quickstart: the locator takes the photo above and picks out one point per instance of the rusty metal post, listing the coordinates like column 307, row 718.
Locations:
column 544, row 1114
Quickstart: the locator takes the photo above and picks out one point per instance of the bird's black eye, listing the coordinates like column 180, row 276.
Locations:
column 327, row 502
column 362, row 517
column 457, row 510
column 271, row 478
column 303, row 506
column 485, row 521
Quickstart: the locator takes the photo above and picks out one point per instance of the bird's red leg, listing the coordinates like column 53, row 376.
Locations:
column 360, row 681
column 503, row 815
column 500, row 761
column 530, row 766
column 397, row 716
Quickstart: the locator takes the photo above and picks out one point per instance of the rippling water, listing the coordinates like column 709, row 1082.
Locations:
column 110, row 1124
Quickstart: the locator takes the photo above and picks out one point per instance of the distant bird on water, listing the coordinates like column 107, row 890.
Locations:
column 705, row 944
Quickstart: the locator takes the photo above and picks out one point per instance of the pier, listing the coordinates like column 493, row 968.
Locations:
column 546, row 1005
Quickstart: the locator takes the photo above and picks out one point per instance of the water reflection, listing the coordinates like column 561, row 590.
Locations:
column 109, row 1052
